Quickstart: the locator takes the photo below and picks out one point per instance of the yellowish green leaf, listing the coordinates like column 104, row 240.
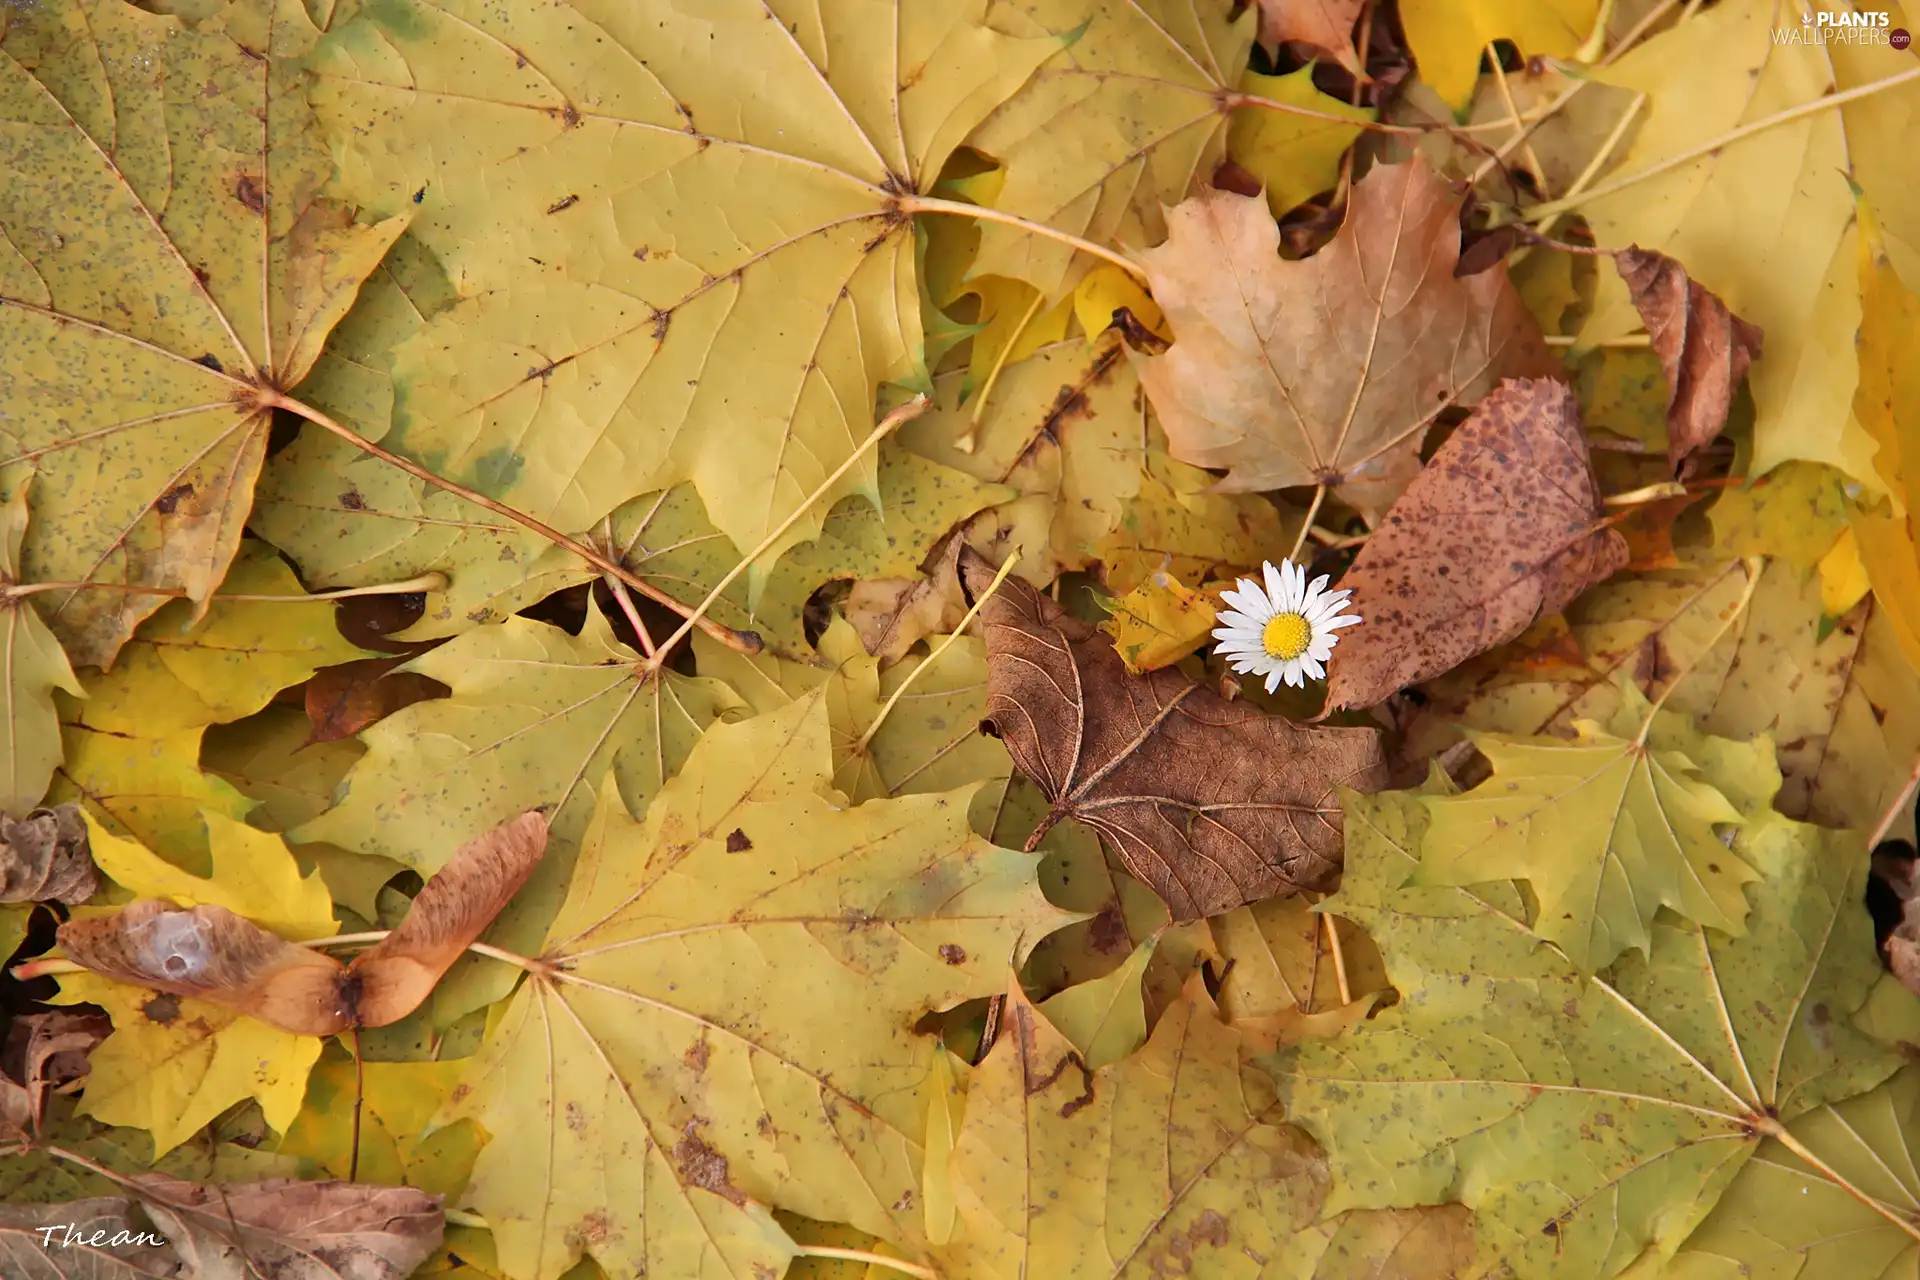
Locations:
column 1295, row 156
column 253, row 876
column 1608, row 829
column 615, row 234
column 164, row 254
column 1106, row 1019
column 689, row 959
column 1795, row 512
column 1664, row 1075
column 384, row 1107
column 1179, row 524
column 35, row 666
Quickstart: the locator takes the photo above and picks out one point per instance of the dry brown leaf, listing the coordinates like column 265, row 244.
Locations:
column 451, row 910
column 1703, row 347
column 1902, row 875
column 1496, row 533
column 1212, row 803
column 44, row 857
column 44, row 1051
column 893, row 614
column 1324, row 24
column 343, row 700
column 292, row 1230
column 1328, row 370
column 91, row 1239
column 210, row 953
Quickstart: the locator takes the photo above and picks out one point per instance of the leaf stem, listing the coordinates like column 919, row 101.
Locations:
column 1339, row 961
column 434, row 581
column 860, row 747
column 1788, row 116
column 1778, row 1132
column 871, row 1259
column 739, row 642
column 697, row 617
column 1306, row 526
column 978, row 409
column 934, row 204
column 1753, row 566
column 619, row 590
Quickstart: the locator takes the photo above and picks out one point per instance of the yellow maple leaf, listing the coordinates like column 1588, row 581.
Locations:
column 1159, row 622
column 1295, row 156
column 1448, row 37
column 173, row 1063
column 1888, row 406
column 396, row 1102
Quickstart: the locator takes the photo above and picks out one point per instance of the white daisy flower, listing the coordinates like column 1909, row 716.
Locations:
column 1285, row 631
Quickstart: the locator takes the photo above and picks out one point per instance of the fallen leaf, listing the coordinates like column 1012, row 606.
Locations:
column 574, row 281
column 1328, row 370
column 1212, row 804
column 1795, row 512
column 47, row 1050
column 1327, row 25
column 1177, row 523
column 373, row 1119
column 608, row 1080
column 1104, row 1020
column 1293, row 155
column 1501, row 529
column 894, row 614
column 46, row 857
column 1667, row 1073
column 94, row 1239
column 343, row 700
column 133, row 744
column 1106, row 289
column 1159, row 622
column 36, row 665
column 1692, row 180
column 1609, row 829
column 293, row 1230
column 1647, row 528
column 1447, row 39
column 1902, row 947
column 210, row 953
column 1884, row 406
column 1843, row 577
column 1703, row 348
column 1123, row 119
column 135, row 391
column 1169, row 1162
column 1783, row 1215
column 1432, row 1242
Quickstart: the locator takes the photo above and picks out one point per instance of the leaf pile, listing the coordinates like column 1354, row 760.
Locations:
column 608, row 640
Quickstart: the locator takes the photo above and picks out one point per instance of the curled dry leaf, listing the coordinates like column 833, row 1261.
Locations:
column 43, row 1051
column 45, row 857
column 1330, row 369
column 211, row 953
column 291, row 1230
column 1498, row 531
column 1703, row 347
column 1212, row 803
column 1902, row 946
column 893, row 614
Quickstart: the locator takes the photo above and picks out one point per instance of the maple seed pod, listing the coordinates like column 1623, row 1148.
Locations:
column 211, row 954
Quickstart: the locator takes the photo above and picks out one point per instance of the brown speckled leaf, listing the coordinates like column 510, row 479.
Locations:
column 1330, row 369
column 1703, row 347
column 1498, row 531
column 44, row 857
column 1212, row 803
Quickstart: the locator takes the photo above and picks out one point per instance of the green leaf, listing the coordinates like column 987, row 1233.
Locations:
column 1583, row 1119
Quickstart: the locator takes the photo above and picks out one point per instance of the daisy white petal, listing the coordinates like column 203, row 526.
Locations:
column 1276, row 583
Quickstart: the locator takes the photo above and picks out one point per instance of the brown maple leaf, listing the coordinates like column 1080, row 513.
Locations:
column 1328, row 370
column 1500, row 529
column 1703, row 347
column 1324, row 24
column 1212, row 803
column 293, row 1230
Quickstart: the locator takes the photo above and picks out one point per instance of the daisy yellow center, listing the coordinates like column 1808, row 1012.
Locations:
column 1286, row 635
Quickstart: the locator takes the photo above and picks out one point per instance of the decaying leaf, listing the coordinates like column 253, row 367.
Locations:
column 93, row 1239
column 343, row 700
column 47, row 1050
column 1328, row 370
column 293, row 1230
column 169, row 258
column 1501, row 529
column 1170, row 1162
column 208, row 952
column 1664, row 1076
column 1703, row 347
column 692, row 955
column 46, row 857
column 1211, row 803
column 1903, row 944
